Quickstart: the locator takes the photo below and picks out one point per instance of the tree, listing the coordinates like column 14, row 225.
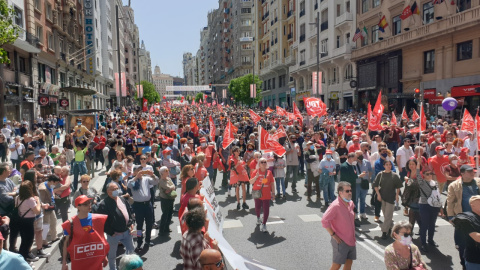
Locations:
column 149, row 92
column 239, row 89
column 199, row 97
column 8, row 30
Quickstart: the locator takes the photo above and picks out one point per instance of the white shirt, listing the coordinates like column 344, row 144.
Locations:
column 13, row 153
column 7, row 132
column 471, row 145
column 403, row 155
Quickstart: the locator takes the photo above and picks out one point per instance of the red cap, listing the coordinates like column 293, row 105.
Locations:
column 434, row 131
column 170, row 140
column 328, row 151
column 158, row 131
column 203, row 140
column 81, row 199
column 440, row 147
column 166, row 151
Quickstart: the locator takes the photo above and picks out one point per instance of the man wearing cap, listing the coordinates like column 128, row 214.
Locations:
column 27, row 163
column 88, row 232
column 437, row 164
column 209, row 151
column 355, row 146
column 119, row 222
column 469, row 225
column 142, row 207
column 459, row 193
column 327, row 169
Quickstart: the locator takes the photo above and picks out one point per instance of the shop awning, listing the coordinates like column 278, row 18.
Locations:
column 82, row 112
column 79, row 90
column 24, row 45
column 465, row 91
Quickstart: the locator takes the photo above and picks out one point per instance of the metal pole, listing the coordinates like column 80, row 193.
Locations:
column 2, row 95
column 253, row 60
column 118, row 58
column 318, row 55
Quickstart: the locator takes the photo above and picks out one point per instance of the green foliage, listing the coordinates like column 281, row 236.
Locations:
column 149, row 92
column 199, row 97
column 8, row 30
column 239, row 89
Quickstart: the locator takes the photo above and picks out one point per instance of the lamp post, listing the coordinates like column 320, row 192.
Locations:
column 317, row 24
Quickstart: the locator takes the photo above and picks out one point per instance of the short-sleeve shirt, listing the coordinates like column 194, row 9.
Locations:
column 80, row 130
column 80, row 155
column 25, row 206
column 388, row 183
column 267, row 183
column 453, row 172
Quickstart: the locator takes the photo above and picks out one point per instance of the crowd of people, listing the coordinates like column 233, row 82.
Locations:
column 165, row 156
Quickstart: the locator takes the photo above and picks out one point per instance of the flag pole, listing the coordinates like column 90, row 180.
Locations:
column 476, row 142
column 420, row 124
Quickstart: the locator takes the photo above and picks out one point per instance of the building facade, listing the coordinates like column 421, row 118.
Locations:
column 435, row 50
column 161, row 81
column 145, row 64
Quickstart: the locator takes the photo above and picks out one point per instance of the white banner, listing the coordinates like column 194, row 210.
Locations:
column 185, row 88
column 215, row 228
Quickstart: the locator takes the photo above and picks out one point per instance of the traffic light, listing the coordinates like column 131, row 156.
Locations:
column 417, row 96
column 210, row 85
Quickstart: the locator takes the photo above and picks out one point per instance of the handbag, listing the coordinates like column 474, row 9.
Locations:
column 257, row 194
column 418, row 267
column 19, row 157
column 15, row 215
column 172, row 195
column 434, row 199
column 374, row 198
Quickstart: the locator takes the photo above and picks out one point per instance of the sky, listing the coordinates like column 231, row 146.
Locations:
column 170, row 28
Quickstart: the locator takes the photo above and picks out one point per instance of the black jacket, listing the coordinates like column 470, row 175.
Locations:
column 115, row 221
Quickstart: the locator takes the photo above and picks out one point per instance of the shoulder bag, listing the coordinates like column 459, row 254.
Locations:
column 61, row 244
column 410, row 267
column 16, row 215
column 374, row 198
column 257, row 194
column 434, row 199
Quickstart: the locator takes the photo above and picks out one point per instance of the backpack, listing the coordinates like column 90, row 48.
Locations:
column 61, row 244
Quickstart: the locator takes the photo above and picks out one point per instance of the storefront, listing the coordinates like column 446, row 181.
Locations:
column 28, row 103
column 282, row 100
column 471, row 94
column 12, row 101
column 333, row 101
column 347, row 100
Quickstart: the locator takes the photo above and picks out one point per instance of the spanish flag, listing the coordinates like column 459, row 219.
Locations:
column 382, row 24
column 415, row 9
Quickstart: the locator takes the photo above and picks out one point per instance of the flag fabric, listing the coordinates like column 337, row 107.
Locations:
column 193, row 102
column 150, row 118
column 358, row 34
column 365, row 32
column 145, row 105
column 193, row 125
column 477, row 119
column 297, row 113
column 291, row 116
column 214, row 103
column 281, row 111
column 382, row 24
column 151, row 109
column 228, row 135
column 212, row 129
column 269, row 144
column 415, row 115
column 407, row 12
column 280, row 133
column 220, row 108
column 268, row 110
column 437, row 1
column 404, row 114
column 255, row 117
column 415, row 9
column 315, row 106
column 394, row 120
column 376, row 115
column 423, row 119
column 468, row 124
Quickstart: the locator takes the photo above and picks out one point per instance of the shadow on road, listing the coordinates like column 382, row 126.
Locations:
column 263, row 240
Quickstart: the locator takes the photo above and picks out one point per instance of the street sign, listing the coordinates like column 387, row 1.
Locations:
column 246, row 39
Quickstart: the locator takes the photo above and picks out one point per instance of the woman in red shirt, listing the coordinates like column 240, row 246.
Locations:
column 188, row 171
column 263, row 180
column 238, row 176
column 201, row 172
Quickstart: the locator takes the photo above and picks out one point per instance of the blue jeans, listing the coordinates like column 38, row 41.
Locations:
column 393, row 146
column 78, row 168
column 328, row 185
column 143, row 213
column 280, row 181
column 361, row 195
column 210, row 174
column 472, row 266
column 126, row 239
column 428, row 217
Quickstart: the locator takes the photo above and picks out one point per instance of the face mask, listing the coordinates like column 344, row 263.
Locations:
column 79, row 123
column 204, row 144
column 437, row 139
column 346, row 200
column 116, row 193
column 52, row 186
column 329, row 156
column 312, row 147
column 354, row 163
column 442, row 152
column 250, row 149
column 384, row 155
column 406, row 241
column 454, row 162
column 168, row 156
column 432, row 183
column 360, row 158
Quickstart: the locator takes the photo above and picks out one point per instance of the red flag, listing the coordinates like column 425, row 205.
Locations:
column 255, row 117
column 145, row 105
column 297, row 113
column 477, row 119
column 193, row 124
column 281, row 111
column 150, row 118
column 315, row 106
column 220, row 107
column 151, row 109
column 214, row 103
column 291, row 116
column 228, row 135
column 209, row 104
column 415, row 115
column 268, row 143
column 268, row 110
column 280, row 133
column 212, row 129
column 407, row 12
column 200, row 101
column 394, row 120
column 468, row 123
column 193, row 102
column 376, row 115
column 423, row 124
column 404, row 114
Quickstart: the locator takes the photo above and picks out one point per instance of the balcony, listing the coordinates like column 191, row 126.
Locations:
column 24, row 79
column 290, row 13
column 9, row 75
column 290, row 60
column 324, row 26
column 33, row 40
column 346, row 49
column 264, row 17
column 290, row 36
column 344, row 21
column 447, row 26
column 302, row 13
column 302, row 38
column 302, row 63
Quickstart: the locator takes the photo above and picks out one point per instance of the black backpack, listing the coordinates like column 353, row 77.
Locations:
column 61, row 244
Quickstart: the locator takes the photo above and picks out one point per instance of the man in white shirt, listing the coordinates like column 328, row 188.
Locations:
column 404, row 153
column 16, row 149
column 7, row 132
column 470, row 144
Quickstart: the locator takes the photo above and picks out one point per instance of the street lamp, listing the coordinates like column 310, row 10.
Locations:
column 317, row 24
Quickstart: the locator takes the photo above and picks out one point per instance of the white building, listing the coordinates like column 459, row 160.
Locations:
column 145, row 64
column 104, row 53
column 337, row 27
column 161, row 81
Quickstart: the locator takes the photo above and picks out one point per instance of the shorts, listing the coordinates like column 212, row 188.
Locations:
column 343, row 252
column 38, row 224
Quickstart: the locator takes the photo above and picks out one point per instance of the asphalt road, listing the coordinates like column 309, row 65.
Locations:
column 295, row 237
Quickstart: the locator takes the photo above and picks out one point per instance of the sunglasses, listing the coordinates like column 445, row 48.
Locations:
column 143, row 159
column 407, row 235
column 427, row 174
column 85, row 181
column 263, row 162
column 347, row 191
column 217, row 264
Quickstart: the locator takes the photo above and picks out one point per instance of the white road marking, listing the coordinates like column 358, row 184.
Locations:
column 310, row 218
column 154, row 232
column 274, row 220
column 179, row 230
column 232, row 223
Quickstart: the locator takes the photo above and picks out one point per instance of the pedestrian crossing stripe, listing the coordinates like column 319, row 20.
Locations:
column 310, row 218
column 274, row 220
column 232, row 223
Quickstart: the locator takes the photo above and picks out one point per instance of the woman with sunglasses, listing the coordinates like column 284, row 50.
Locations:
column 403, row 254
column 429, row 207
column 262, row 179
column 238, row 176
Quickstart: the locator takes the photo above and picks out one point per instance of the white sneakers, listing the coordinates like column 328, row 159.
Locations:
column 364, row 216
column 259, row 221
column 263, row 228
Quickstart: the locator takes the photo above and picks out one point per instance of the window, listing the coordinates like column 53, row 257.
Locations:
column 21, row 64
column 364, row 6
column 324, row 47
column 347, row 38
column 247, row 46
column 302, row 57
column 273, row 83
column 302, row 8
column 246, row 10
column 246, row 22
column 428, row 12
column 18, row 16
column 396, row 25
column 38, row 5
column 338, row 42
column 348, row 72
column 49, row 11
column 375, row 3
column 374, row 33
column 302, row 33
column 464, row 50
column 50, row 42
column 39, row 33
column 429, row 62
column 463, row 5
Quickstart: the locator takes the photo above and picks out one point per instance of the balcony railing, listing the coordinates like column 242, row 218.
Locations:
column 302, row 38
column 33, row 40
column 63, row 56
column 290, row 13
column 290, row 36
column 302, row 13
column 345, row 49
column 302, row 63
column 345, row 17
column 324, row 26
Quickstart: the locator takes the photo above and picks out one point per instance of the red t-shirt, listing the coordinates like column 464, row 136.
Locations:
column 267, row 184
column 348, row 129
column 438, row 166
column 353, row 148
column 201, row 173
column 184, row 202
